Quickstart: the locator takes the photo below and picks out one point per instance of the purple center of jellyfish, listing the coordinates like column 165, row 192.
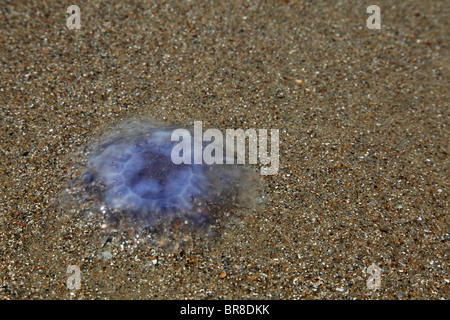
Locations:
column 138, row 176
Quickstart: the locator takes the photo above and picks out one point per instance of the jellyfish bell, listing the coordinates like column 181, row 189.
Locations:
column 130, row 173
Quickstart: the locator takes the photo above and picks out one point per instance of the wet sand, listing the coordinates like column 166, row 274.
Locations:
column 363, row 122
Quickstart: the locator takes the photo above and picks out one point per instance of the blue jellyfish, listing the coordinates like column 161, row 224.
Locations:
column 131, row 173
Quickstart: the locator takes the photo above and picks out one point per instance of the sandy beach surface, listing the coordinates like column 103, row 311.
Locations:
column 363, row 122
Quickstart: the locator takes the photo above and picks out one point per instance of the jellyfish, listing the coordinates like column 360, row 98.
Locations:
column 130, row 175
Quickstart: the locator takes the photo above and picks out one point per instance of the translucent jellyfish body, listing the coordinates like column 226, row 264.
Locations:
column 129, row 178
